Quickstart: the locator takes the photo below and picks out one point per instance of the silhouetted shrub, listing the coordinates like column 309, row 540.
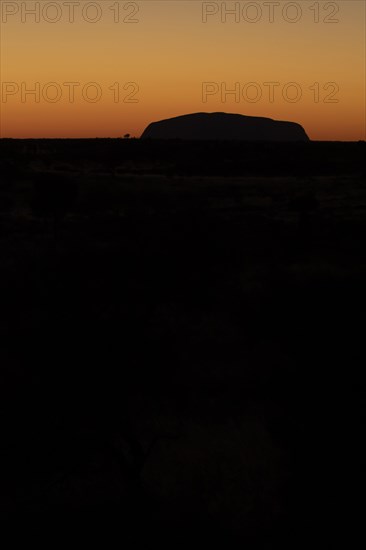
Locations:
column 52, row 197
column 304, row 203
column 9, row 172
column 6, row 203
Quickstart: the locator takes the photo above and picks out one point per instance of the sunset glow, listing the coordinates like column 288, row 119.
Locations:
column 103, row 69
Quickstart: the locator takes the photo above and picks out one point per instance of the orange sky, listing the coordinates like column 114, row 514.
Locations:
column 169, row 54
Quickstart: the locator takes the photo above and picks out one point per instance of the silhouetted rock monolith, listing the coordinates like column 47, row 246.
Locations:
column 224, row 126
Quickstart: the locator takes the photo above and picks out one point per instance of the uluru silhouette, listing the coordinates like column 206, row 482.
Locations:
column 224, row 126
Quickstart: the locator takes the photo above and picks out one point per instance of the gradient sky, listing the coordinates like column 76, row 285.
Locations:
column 169, row 53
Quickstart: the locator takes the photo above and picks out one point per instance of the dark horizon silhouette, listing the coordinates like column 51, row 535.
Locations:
column 182, row 274
column 181, row 321
column 224, row 126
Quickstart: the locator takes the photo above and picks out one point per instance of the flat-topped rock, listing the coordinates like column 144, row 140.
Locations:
column 224, row 126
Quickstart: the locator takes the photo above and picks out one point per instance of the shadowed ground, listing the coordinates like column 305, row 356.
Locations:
column 182, row 351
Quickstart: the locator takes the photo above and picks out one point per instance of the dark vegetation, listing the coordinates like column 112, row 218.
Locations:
column 183, row 342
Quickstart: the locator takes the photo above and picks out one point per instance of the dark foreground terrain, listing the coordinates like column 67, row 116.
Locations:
column 183, row 343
